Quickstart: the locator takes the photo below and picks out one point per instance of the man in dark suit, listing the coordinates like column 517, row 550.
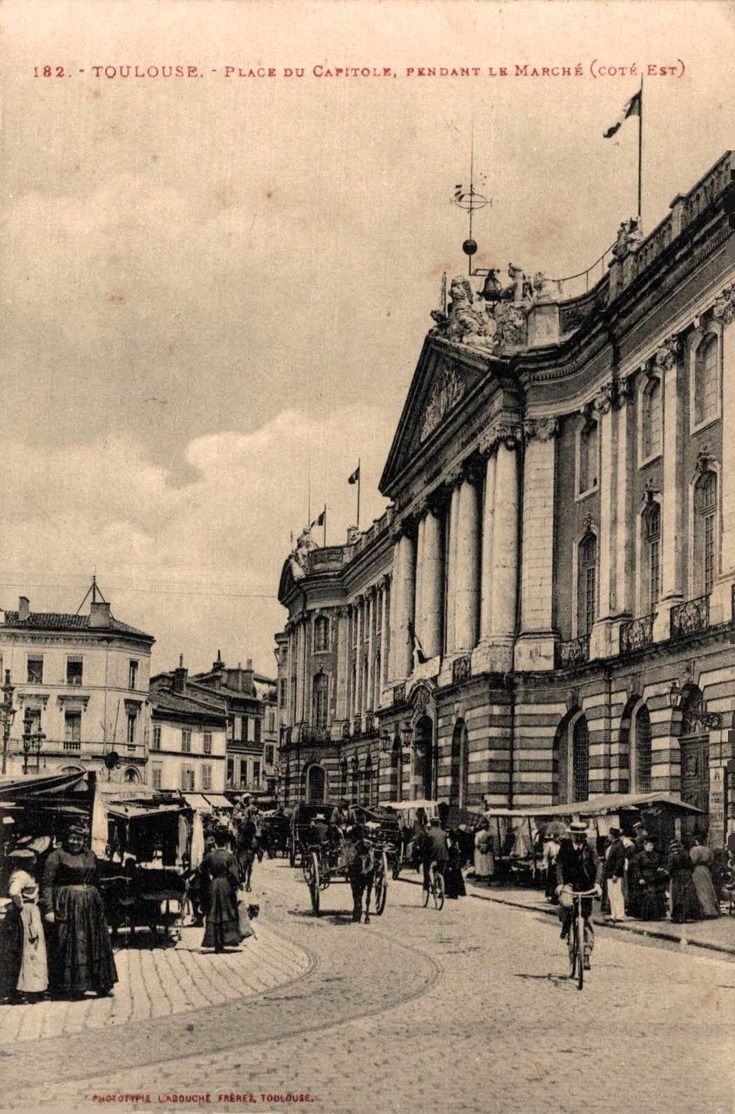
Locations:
column 578, row 869
column 433, row 849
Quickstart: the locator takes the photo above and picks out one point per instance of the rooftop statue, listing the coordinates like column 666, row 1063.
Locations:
column 629, row 236
column 300, row 556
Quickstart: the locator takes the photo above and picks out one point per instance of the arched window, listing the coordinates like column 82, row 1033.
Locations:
column 642, row 782
column 321, row 633
column 651, row 419
column 459, row 788
column 131, row 775
column 320, row 697
column 580, row 760
column 316, row 784
column 588, row 440
column 705, row 533
column 651, row 556
column 706, row 375
column 586, row 584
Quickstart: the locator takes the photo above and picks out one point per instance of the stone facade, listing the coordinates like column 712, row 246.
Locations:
column 545, row 613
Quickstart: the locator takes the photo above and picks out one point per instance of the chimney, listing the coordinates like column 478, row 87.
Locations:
column 180, row 675
column 99, row 614
column 24, row 608
column 248, row 678
column 240, row 687
column 218, row 664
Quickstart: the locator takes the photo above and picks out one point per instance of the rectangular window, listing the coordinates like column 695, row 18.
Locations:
column 186, row 741
column 156, row 775
column 206, row 777
column 74, row 671
column 245, row 731
column 230, row 729
column 230, row 771
column 156, row 738
column 257, row 730
column 271, row 714
column 655, row 571
column 256, row 775
column 187, row 779
column 132, row 728
column 243, row 774
column 282, row 693
column 35, row 671
column 270, row 754
column 207, row 742
column 590, row 577
column 133, row 675
column 72, row 731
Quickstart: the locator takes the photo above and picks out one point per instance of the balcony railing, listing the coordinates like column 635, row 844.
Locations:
column 693, row 615
column 574, row 652
column 636, row 634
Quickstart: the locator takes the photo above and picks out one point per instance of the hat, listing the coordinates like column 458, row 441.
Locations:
column 23, row 854
column 577, row 827
column 75, row 828
column 614, row 831
column 39, row 844
column 637, row 824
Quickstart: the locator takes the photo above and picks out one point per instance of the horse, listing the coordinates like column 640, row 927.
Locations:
column 247, row 849
column 361, row 875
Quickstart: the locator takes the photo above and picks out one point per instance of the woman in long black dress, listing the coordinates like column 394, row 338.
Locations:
column 650, row 876
column 220, row 882
column 80, row 955
column 684, row 901
column 453, row 880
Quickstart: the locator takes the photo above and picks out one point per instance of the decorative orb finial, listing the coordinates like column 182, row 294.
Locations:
column 469, row 247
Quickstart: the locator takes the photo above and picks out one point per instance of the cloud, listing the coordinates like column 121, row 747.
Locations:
column 195, row 564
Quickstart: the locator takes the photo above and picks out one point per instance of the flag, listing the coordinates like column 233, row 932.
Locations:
column 632, row 108
column 355, row 476
column 319, row 521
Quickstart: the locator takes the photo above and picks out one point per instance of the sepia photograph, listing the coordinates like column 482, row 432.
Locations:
column 367, row 561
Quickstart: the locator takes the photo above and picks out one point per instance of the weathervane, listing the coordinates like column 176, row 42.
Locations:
column 470, row 200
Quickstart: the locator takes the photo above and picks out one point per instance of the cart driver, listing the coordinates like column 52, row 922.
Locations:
column 343, row 815
column 577, row 868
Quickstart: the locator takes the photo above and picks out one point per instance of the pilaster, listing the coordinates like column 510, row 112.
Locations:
column 535, row 645
column 672, row 525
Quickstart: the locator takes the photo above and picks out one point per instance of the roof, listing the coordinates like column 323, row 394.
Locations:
column 184, row 704
column 58, row 620
column 598, row 806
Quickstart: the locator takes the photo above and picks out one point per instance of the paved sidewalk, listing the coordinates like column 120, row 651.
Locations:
column 156, row 982
column 715, row 935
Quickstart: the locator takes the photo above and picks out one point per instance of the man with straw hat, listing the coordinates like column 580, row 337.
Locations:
column 578, row 869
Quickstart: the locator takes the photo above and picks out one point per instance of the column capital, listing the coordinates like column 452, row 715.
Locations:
column 384, row 580
column 724, row 306
column 605, row 397
column 667, row 353
column 505, row 430
column 543, row 429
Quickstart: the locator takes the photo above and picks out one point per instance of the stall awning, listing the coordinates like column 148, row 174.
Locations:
column 40, row 786
column 121, row 811
column 197, row 801
column 217, row 800
column 598, row 806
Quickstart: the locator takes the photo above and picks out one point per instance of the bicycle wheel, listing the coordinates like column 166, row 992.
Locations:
column 314, row 881
column 573, row 949
column 580, row 950
column 425, row 897
column 439, row 891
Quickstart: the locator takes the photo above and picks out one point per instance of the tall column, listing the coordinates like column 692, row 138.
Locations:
column 369, row 696
column 433, row 584
column 401, row 642
column 451, row 639
column 672, row 522
column 721, row 601
column 384, row 635
column 396, row 607
column 621, row 603
column 486, row 572
column 359, row 620
column 505, row 550
column 468, row 567
column 343, row 662
column 419, row 614
column 351, row 705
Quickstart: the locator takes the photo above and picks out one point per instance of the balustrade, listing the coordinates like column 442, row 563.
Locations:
column 690, row 616
column 636, row 634
column 574, row 652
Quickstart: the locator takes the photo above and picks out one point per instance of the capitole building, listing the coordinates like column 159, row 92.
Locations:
column 544, row 614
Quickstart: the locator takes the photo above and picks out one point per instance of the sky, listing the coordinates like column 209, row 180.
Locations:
column 215, row 289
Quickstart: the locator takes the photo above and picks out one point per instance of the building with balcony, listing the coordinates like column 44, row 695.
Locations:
column 188, row 750
column 80, row 688
column 545, row 612
column 252, row 724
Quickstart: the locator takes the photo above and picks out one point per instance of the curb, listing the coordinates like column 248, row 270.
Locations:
column 650, row 933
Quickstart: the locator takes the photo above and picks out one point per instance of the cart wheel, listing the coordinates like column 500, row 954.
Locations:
column 314, row 882
column 381, row 884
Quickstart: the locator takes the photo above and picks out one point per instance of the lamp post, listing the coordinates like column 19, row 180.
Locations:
column 7, row 711
column 711, row 720
column 32, row 741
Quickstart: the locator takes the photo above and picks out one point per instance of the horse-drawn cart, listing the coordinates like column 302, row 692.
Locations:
column 358, row 858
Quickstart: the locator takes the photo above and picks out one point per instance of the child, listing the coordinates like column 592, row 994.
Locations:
column 26, row 925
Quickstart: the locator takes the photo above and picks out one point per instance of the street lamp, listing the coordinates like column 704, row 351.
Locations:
column 7, row 712
column 711, row 720
column 32, row 741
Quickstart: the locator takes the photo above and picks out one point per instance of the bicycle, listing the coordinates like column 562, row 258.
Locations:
column 576, row 936
column 436, row 887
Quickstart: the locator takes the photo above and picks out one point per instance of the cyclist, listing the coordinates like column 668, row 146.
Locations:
column 433, row 849
column 578, row 869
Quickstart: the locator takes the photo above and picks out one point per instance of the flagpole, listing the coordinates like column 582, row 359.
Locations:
column 324, row 524
column 640, row 161
column 359, row 481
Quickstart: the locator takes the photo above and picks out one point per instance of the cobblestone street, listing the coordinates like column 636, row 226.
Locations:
column 467, row 1009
